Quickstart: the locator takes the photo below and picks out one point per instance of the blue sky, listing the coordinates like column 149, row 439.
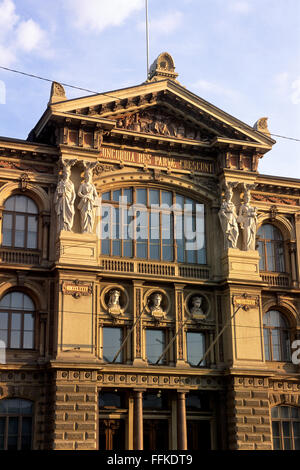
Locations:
column 241, row 55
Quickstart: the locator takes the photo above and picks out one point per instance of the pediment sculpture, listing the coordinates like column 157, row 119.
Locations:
column 157, row 122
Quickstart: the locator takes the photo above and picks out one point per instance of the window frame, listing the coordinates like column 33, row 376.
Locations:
column 122, row 356
column 279, row 419
column 200, row 256
column 10, row 311
column 26, row 216
column 202, row 333
column 275, row 246
column 20, row 416
column 281, row 331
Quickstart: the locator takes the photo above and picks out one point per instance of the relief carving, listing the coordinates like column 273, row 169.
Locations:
column 159, row 123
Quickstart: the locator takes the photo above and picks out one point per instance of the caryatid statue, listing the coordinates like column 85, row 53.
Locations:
column 64, row 198
column 247, row 219
column 88, row 194
column 228, row 219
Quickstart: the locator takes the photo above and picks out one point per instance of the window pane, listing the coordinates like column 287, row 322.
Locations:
column 141, row 196
column 15, row 339
column 26, row 407
column 9, row 204
column 195, row 348
column 3, row 320
column 154, row 345
column 167, row 254
column 154, row 252
column 28, row 340
column 116, row 195
column 154, row 196
column 275, row 429
column 21, row 204
column 166, row 198
column 112, row 338
column 16, row 321
column 17, row 300
column 274, row 412
column 27, row 303
column 267, row 344
column 127, row 248
column 277, row 443
column 31, row 208
column 3, row 336
column 106, row 196
column 141, row 250
column 13, row 426
column 127, row 193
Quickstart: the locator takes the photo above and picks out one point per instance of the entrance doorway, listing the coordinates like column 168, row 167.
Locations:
column 156, row 434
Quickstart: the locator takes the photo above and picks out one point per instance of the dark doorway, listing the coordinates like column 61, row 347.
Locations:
column 112, row 434
column 198, row 434
column 156, row 434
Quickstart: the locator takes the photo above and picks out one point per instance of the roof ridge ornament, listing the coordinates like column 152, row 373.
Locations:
column 261, row 125
column 57, row 93
column 162, row 67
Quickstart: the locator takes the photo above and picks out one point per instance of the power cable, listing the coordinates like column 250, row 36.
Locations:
column 103, row 93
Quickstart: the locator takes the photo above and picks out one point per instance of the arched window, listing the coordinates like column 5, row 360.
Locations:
column 152, row 224
column 20, row 222
column 286, row 427
column 15, row 424
column 276, row 337
column 17, row 315
column 271, row 249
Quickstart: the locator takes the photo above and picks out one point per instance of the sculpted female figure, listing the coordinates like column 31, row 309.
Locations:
column 228, row 219
column 247, row 219
column 64, row 201
column 88, row 194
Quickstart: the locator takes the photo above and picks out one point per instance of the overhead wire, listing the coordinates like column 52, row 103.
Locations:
column 38, row 77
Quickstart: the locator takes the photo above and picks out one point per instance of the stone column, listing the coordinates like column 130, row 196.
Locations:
column 181, row 421
column 138, row 330
column 138, row 420
column 292, row 252
column 180, row 349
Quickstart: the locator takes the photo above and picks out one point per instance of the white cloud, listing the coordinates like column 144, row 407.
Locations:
column 17, row 35
column 295, row 96
column 166, row 24
column 214, row 89
column 99, row 15
column 29, row 35
column 8, row 17
column 240, row 6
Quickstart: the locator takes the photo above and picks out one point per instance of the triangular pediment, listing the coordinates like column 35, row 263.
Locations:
column 163, row 108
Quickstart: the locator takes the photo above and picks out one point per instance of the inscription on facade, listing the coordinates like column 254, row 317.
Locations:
column 76, row 289
column 140, row 158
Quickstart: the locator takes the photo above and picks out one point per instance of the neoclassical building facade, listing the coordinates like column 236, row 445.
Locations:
column 149, row 281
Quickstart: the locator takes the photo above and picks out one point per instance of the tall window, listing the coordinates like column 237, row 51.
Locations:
column 20, row 222
column 152, row 224
column 17, row 314
column 195, row 343
column 286, row 428
column 155, row 344
column 112, row 340
column 271, row 249
column 276, row 337
column 15, row 424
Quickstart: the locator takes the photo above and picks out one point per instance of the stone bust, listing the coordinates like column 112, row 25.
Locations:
column 114, row 307
column 156, row 309
column 196, row 309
